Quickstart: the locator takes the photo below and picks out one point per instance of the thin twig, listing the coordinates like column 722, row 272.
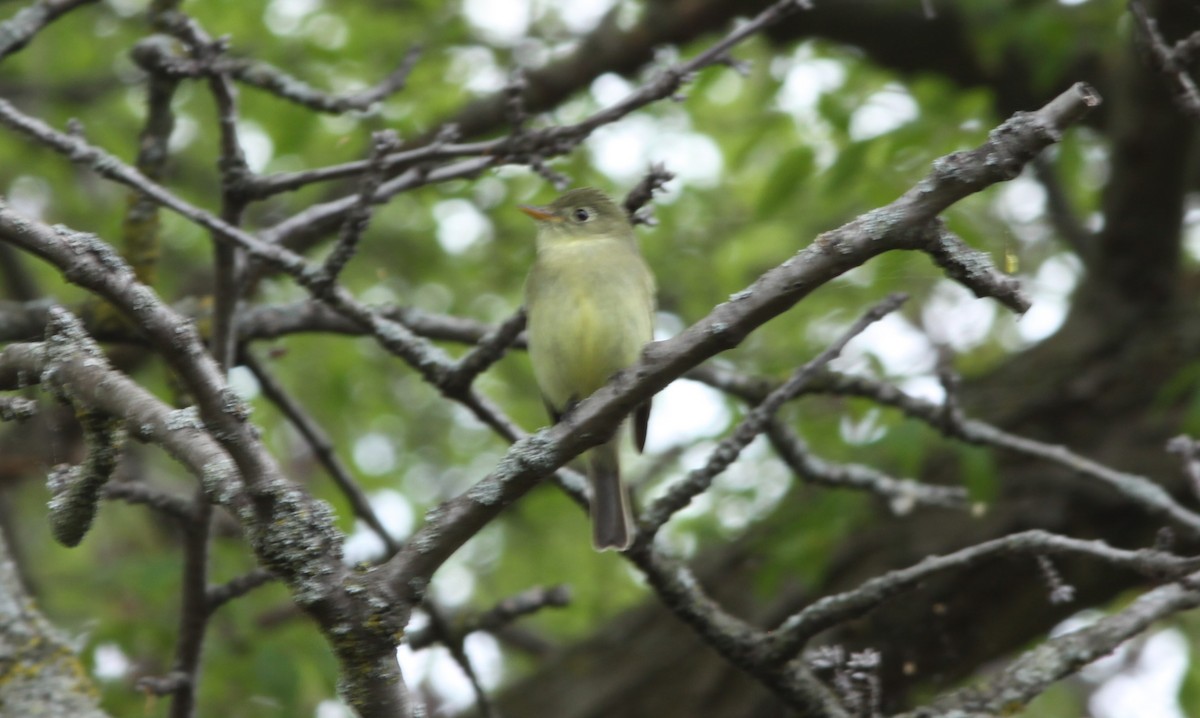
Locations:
column 17, row 31
column 1138, row 489
column 235, row 173
column 193, row 609
column 682, row 492
column 131, row 492
column 1062, row 214
column 1010, row 688
column 359, row 216
column 737, row 641
column 267, row 321
column 901, row 494
column 396, row 338
column 790, row 636
column 1188, row 450
column 500, row 615
column 489, row 350
column 454, row 644
column 543, row 143
column 217, row 596
column 1166, row 59
column 322, row 448
column 267, row 77
column 635, row 202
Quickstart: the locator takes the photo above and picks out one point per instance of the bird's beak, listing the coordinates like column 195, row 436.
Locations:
column 541, row 214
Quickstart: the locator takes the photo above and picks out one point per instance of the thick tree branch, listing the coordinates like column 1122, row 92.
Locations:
column 292, row 534
column 95, row 385
column 39, row 671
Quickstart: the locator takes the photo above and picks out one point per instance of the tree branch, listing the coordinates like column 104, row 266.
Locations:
column 17, row 31
column 1028, row 676
column 905, row 224
column 42, row 675
column 680, row 494
column 791, row 635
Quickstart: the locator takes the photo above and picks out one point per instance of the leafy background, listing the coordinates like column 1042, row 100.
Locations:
column 811, row 135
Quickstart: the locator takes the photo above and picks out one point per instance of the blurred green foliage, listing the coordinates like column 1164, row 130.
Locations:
column 785, row 176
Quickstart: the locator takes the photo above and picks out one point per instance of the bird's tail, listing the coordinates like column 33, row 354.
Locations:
column 612, row 523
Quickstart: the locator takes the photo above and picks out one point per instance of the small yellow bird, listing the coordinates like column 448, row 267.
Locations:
column 590, row 299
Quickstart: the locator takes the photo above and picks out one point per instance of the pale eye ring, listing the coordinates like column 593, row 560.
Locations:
column 581, row 214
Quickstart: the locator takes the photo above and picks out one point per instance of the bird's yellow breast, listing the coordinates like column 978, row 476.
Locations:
column 591, row 305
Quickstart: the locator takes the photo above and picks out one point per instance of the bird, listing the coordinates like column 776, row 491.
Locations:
column 590, row 298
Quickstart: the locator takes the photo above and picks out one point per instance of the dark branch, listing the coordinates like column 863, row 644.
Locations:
column 17, row 31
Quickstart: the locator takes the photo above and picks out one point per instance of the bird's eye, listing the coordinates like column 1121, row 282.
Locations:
column 582, row 214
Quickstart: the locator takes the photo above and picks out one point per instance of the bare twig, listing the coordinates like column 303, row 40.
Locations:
column 680, row 494
column 500, row 615
column 791, row 635
column 269, row 185
column 1149, row 495
column 131, row 492
column 1188, row 450
column 1025, row 678
column 1062, row 215
column 271, row 321
column 235, row 173
column 1169, row 61
column 359, row 216
column 141, row 230
column 454, row 645
column 392, row 336
column 490, row 348
column 193, row 609
column 322, row 447
column 635, row 202
column 17, row 31
column 538, row 144
column 739, row 642
column 901, row 494
column 264, row 76
column 217, row 596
